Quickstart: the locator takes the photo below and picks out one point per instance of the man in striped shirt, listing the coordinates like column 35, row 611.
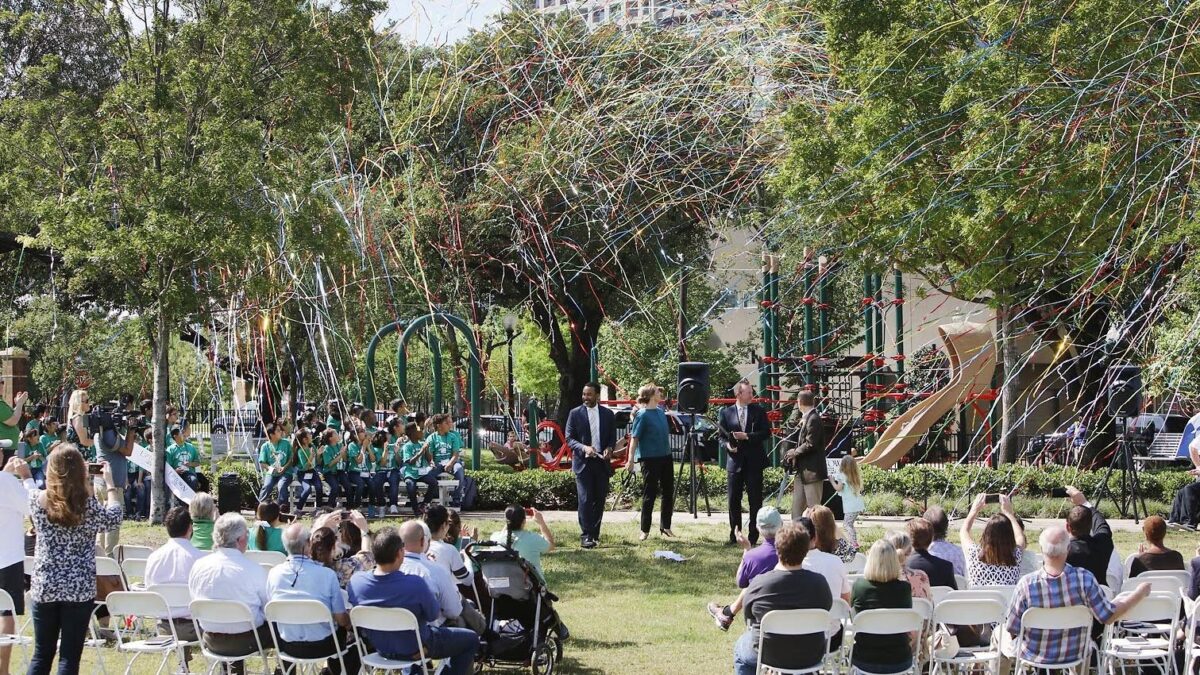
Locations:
column 1058, row 584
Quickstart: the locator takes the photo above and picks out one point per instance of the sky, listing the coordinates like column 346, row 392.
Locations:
column 440, row 21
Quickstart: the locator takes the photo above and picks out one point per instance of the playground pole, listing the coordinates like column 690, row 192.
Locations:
column 898, row 278
column 823, row 308
column 531, row 439
column 877, row 280
column 809, row 292
column 868, row 379
column 435, row 351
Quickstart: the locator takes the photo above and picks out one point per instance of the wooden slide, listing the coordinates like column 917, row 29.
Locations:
column 972, row 361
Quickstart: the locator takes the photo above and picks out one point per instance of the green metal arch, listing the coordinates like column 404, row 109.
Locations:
column 475, row 377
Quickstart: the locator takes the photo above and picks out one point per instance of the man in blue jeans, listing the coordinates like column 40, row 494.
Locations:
column 387, row 586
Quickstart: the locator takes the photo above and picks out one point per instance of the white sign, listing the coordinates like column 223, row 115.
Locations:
column 144, row 457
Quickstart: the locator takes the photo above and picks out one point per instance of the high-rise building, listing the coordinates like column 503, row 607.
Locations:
column 634, row 12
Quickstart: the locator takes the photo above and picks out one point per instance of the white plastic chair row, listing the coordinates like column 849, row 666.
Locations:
column 18, row 638
column 795, row 622
column 1140, row 650
column 270, row 558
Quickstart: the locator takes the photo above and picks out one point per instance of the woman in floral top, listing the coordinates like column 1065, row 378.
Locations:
column 996, row 559
column 66, row 519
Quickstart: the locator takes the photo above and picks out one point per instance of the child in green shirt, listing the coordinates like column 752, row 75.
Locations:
column 30, row 450
column 333, row 467
column 417, row 459
column 307, row 466
column 359, row 469
column 275, row 462
column 447, row 446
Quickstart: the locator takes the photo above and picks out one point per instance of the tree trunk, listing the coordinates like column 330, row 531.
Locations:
column 1010, row 389
column 457, row 373
column 160, row 349
column 570, row 355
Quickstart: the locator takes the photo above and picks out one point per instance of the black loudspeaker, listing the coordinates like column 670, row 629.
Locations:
column 229, row 493
column 1124, row 391
column 693, row 387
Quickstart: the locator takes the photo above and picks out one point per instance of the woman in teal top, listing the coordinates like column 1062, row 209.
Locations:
column 528, row 545
column 648, row 444
column 267, row 534
column 333, row 466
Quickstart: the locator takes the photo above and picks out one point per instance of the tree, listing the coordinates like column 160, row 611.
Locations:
column 155, row 190
column 538, row 164
column 1013, row 155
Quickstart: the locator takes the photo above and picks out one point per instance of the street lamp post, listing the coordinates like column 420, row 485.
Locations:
column 510, row 327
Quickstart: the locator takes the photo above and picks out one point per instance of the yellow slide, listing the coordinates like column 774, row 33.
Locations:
column 972, row 362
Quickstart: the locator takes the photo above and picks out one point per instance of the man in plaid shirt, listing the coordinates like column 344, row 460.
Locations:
column 1058, row 584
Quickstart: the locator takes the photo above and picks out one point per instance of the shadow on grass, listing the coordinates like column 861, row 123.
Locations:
column 570, row 665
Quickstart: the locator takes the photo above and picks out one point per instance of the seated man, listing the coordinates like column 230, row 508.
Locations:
column 1185, row 510
column 1091, row 538
column 1059, row 584
column 172, row 563
column 227, row 574
column 788, row 586
column 939, row 571
column 302, row 578
column 388, row 586
column 936, row 516
column 415, row 535
column 755, row 561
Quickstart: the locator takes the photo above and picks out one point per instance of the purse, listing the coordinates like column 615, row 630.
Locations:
column 945, row 644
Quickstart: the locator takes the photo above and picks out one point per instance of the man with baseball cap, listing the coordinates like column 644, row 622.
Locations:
column 755, row 561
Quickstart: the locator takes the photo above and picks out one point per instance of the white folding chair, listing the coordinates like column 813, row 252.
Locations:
column 978, row 594
column 853, row 577
column 134, row 568
column 857, row 565
column 889, row 622
column 109, row 567
column 939, row 593
column 790, row 623
column 1030, row 562
column 302, row 612
column 839, row 619
column 177, row 595
column 1055, row 619
column 18, row 638
column 269, row 558
column 961, row 582
column 1158, row 584
column 966, row 612
column 1127, row 567
column 226, row 611
column 385, row 619
column 151, row 607
column 924, row 606
column 29, row 563
column 1006, row 590
column 1183, row 576
column 125, row 552
column 1191, row 649
column 1140, row 650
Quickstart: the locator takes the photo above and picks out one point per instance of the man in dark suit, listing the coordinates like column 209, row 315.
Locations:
column 744, row 430
column 940, row 572
column 807, row 457
column 1091, row 544
column 591, row 435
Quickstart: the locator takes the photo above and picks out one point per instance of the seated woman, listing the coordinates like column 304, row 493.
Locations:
column 528, row 545
column 267, row 533
column 918, row 580
column 881, row 587
column 996, row 559
column 1153, row 555
column 203, row 511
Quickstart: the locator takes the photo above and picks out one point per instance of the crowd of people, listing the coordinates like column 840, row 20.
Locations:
column 795, row 568
column 336, row 560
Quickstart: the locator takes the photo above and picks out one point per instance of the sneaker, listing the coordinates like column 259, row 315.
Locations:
column 370, row 511
column 588, row 543
column 717, row 612
column 393, row 510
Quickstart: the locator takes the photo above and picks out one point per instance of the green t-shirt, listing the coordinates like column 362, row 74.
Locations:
column 275, row 455
column 33, row 424
column 274, row 538
column 445, row 445
column 24, row 450
column 650, row 428
column 8, row 432
column 385, row 457
column 327, row 455
column 306, row 458
column 180, row 455
column 202, row 534
column 418, row 468
column 336, row 425
column 528, row 545
column 356, row 456
column 46, row 441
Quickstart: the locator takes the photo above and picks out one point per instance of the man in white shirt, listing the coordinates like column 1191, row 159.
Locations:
column 172, row 563
column 415, row 535
column 15, row 488
column 227, row 574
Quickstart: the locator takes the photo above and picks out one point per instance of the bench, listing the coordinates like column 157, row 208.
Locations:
column 1164, row 448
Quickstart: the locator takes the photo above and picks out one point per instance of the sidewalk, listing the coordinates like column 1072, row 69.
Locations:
column 719, row 518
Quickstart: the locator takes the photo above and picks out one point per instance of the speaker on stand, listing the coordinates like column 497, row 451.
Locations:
column 1124, row 393
column 693, row 400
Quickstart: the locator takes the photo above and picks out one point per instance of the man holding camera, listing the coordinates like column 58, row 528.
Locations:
column 117, row 430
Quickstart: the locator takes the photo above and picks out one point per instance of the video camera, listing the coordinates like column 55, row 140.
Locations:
column 109, row 419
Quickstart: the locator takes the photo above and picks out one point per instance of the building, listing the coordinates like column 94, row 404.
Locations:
column 637, row 12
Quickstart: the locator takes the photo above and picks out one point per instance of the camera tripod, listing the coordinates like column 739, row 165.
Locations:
column 1130, row 486
column 690, row 448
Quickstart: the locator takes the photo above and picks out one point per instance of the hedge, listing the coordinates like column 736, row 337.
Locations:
column 556, row 489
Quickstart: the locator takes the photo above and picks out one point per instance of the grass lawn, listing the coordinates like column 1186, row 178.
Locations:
column 630, row 613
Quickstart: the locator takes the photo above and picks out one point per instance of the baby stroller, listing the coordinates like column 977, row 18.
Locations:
column 515, row 601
